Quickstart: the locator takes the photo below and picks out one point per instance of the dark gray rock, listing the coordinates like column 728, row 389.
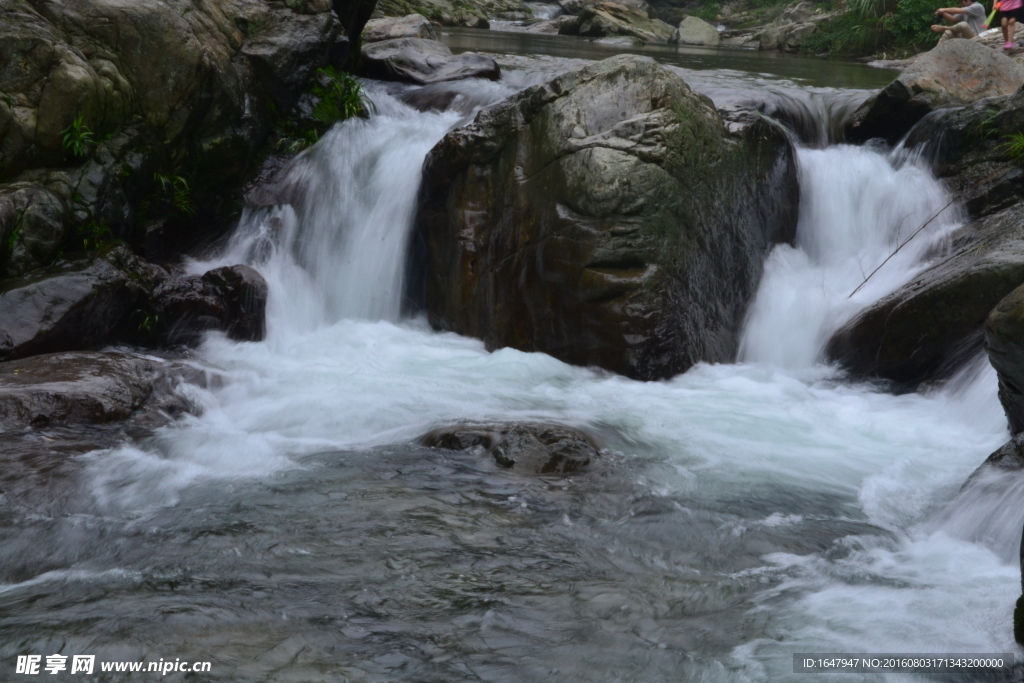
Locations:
column 231, row 299
column 1004, row 342
column 695, row 31
column 78, row 387
column 71, row 306
column 415, row 60
column 609, row 19
column 954, row 72
column 32, row 227
column 594, row 218
column 523, row 448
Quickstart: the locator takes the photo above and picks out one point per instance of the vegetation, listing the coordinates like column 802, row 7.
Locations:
column 1013, row 147
column 78, row 138
column 341, row 96
column 889, row 28
column 176, row 193
column 94, row 236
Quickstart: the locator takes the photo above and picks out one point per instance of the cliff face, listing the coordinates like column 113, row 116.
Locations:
column 105, row 105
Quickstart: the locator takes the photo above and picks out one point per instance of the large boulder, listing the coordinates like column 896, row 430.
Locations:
column 608, row 19
column 954, row 72
column 447, row 13
column 931, row 326
column 1004, row 341
column 695, row 31
column 78, row 387
column 389, row 28
column 574, row 7
column 597, row 218
column 415, row 60
column 32, row 227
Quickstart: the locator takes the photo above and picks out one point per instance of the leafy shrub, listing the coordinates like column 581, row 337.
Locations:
column 77, row 138
column 341, row 96
column 177, row 193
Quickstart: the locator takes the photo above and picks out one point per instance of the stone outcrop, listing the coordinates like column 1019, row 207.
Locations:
column 83, row 387
column 119, row 297
column 107, row 104
column 695, row 31
column 595, row 218
column 523, row 448
column 446, row 13
column 389, row 28
column 786, row 33
column 609, row 19
column 574, row 7
column 954, row 72
column 415, row 60
column 1004, row 342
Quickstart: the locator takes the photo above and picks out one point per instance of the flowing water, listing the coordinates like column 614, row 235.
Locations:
column 293, row 531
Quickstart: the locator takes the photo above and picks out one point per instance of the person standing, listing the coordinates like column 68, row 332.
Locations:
column 967, row 20
column 1010, row 11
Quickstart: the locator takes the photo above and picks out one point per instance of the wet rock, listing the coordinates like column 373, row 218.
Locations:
column 445, row 13
column 73, row 387
column 1004, row 342
column 787, row 32
column 954, row 72
column 931, row 326
column 72, row 306
column 577, row 6
column 609, row 19
column 415, row 60
column 548, row 25
column 389, row 28
column 695, row 31
column 524, row 448
column 231, row 299
column 595, row 218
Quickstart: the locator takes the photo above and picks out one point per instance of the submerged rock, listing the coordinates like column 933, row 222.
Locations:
column 415, row 60
column 607, row 218
column 524, row 448
column 390, row 28
column 954, row 72
column 73, row 387
column 695, row 31
column 609, row 19
column 931, row 326
column 1004, row 342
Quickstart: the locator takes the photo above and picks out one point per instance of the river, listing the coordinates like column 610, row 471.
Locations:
column 294, row 531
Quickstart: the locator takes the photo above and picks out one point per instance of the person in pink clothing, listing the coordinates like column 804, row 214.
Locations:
column 1009, row 12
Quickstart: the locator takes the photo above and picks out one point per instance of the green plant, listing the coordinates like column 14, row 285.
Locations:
column 1013, row 147
column 177, row 192
column 13, row 237
column 341, row 96
column 94, row 235
column 77, row 138
column 148, row 320
column 983, row 127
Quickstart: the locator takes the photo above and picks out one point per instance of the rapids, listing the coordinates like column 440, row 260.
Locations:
column 745, row 512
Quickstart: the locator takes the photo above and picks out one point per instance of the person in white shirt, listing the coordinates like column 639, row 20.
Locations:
column 966, row 21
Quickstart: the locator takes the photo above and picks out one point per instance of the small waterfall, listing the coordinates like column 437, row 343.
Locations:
column 856, row 208
column 333, row 248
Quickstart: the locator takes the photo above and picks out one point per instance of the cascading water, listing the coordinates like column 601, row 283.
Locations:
column 744, row 512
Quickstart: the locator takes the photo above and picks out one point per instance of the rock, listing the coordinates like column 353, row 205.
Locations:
column 577, row 6
column 954, row 72
column 389, row 28
column 32, row 227
column 594, row 218
column 931, row 326
column 1004, row 342
column 71, row 306
column 523, row 448
column 447, row 13
column 73, row 387
column 415, row 60
column 609, row 19
column 231, row 299
column 787, row 38
column 548, row 25
column 695, row 31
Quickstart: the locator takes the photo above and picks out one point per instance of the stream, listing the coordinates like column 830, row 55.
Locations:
column 294, row 531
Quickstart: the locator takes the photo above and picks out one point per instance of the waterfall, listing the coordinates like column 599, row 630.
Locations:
column 856, row 209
